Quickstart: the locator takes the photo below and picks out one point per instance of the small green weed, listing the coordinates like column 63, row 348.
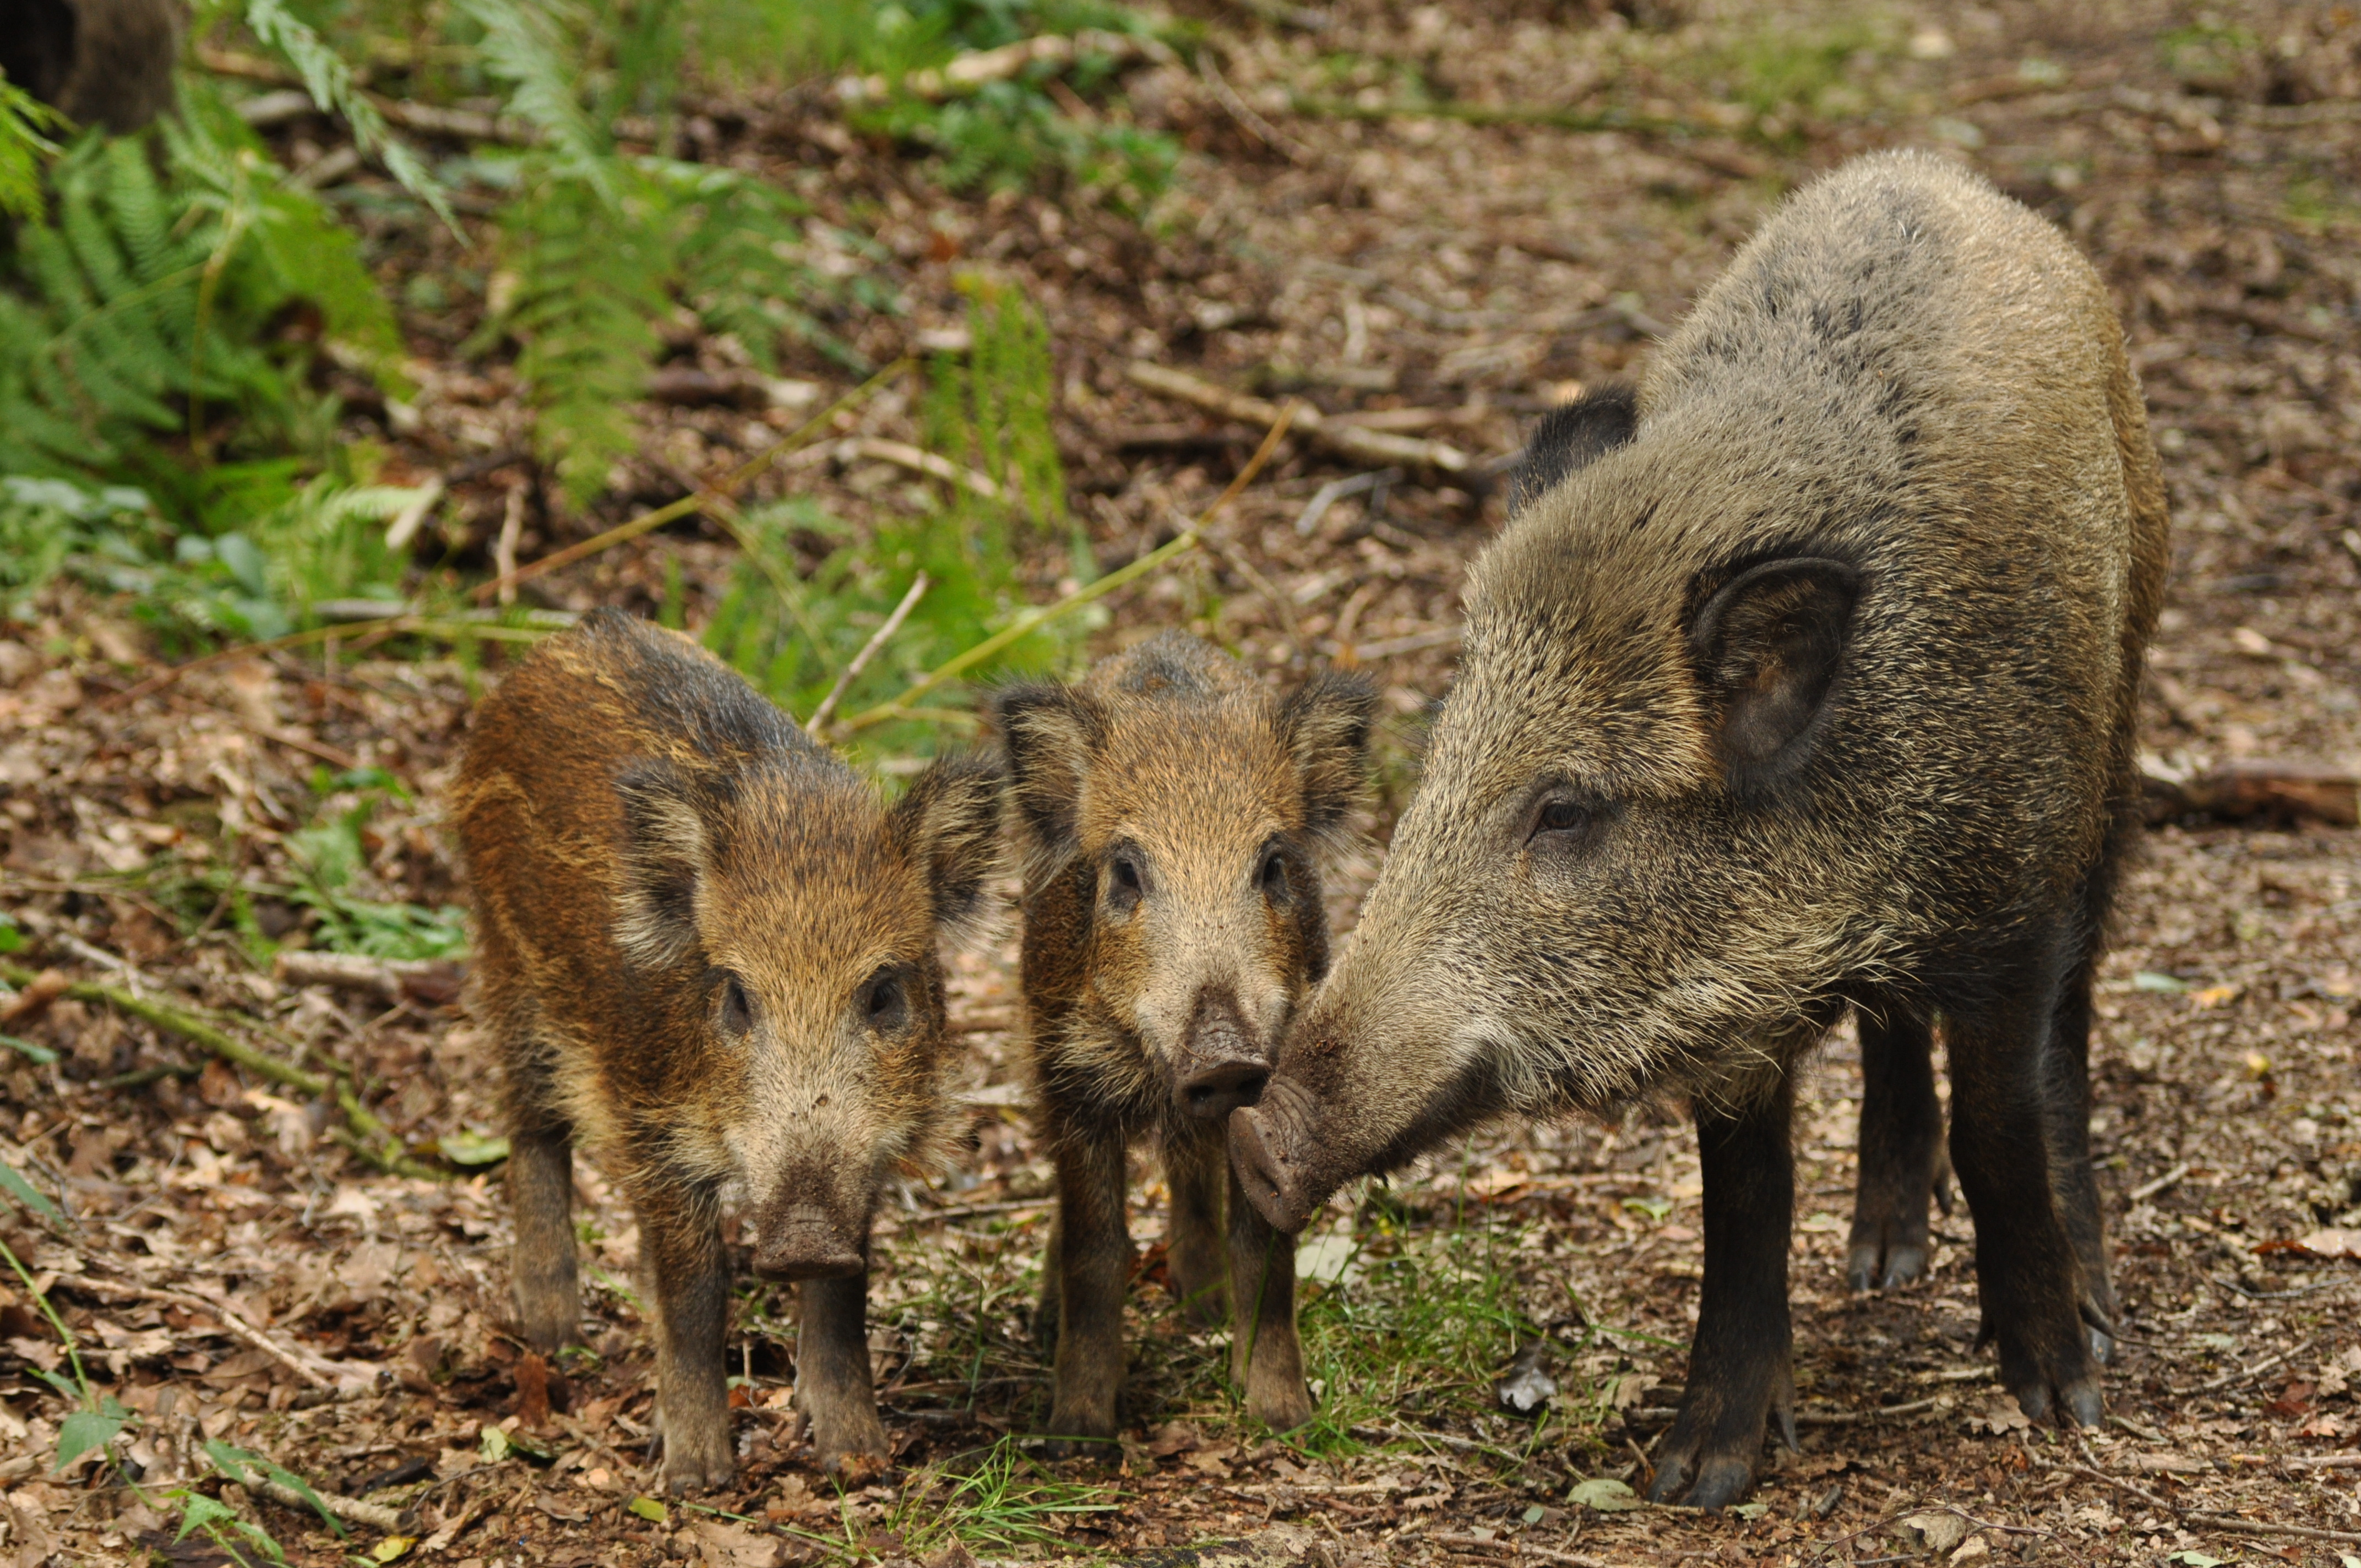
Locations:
column 1785, row 74
column 996, row 1498
column 2209, row 56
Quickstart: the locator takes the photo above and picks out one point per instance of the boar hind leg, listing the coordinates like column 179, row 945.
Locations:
column 833, row 1389
column 2069, row 1064
column 1093, row 1264
column 689, row 1273
column 1265, row 1354
column 1738, row 1371
column 1195, row 1255
column 2026, row 1270
column 1901, row 1146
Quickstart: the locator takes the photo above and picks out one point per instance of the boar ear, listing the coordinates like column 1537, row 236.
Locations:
column 1767, row 646
column 1570, row 436
column 664, row 853
column 949, row 819
column 1051, row 731
column 1325, row 725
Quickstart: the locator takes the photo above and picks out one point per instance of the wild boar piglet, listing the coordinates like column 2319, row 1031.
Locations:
column 1804, row 681
column 1172, row 811
column 705, row 950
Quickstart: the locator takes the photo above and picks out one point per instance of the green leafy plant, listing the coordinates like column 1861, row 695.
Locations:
column 330, row 855
column 27, row 126
column 997, row 1498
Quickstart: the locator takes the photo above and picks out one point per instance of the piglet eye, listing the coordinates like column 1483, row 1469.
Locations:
column 1274, row 877
column 737, row 1007
column 885, row 1001
column 1126, row 874
column 1125, row 881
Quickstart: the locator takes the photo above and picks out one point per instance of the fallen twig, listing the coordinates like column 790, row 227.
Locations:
column 2147, row 1189
column 2229, row 1523
column 317, row 1370
column 2227, row 1378
column 1344, row 440
column 878, row 638
column 2237, row 791
column 368, row 1137
column 1262, row 130
column 352, row 1511
column 981, row 68
column 1880, row 1412
column 433, row 981
column 902, row 454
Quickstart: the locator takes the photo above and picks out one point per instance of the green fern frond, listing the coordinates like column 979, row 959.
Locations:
column 522, row 48
column 330, row 82
column 26, row 125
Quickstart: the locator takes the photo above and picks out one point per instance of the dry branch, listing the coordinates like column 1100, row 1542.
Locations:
column 2241, row 791
column 981, row 68
column 367, row 1137
column 432, row 981
column 1348, row 441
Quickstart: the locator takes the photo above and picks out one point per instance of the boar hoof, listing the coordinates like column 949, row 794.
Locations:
column 1901, row 1264
column 1720, row 1481
column 858, row 1466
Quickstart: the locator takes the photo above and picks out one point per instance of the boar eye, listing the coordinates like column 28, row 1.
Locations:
column 885, row 1001
column 737, row 1007
column 1564, row 816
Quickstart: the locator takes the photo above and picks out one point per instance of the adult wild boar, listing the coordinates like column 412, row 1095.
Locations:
column 1807, row 683
column 705, row 949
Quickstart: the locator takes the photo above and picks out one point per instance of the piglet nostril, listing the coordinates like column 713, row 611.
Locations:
column 1213, row 1091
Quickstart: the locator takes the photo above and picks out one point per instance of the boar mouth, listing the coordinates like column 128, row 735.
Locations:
column 802, row 1241
column 1267, row 1145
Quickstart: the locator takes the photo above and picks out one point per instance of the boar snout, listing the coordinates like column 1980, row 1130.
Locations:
column 804, row 1241
column 1220, row 1068
column 1268, row 1148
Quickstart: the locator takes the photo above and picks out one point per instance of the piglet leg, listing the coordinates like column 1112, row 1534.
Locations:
column 1738, row 1370
column 1263, row 1352
column 680, row 1241
column 1094, row 1265
column 1196, row 1169
column 833, row 1389
column 541, row 1191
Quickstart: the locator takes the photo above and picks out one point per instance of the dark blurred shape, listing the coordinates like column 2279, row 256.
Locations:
column 102, row 62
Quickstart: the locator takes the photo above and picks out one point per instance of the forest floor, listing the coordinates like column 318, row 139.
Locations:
column 233, row 1273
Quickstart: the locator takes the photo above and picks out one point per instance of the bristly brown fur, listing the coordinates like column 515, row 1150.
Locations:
column 1172, row 811
column 1814, row 690
column 705, row 949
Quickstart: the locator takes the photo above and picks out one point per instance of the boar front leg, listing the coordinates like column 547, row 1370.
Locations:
column 2026, row 1270
column 543, row 1268
column 1265, row 1354
column 680, row 1238
column 1195, row 1168
column 1901, row 1140
column 1738, row 1372
column 833, row 1387
column 1093, row 1259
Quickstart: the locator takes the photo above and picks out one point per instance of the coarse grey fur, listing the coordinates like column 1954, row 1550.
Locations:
column 1817, row 692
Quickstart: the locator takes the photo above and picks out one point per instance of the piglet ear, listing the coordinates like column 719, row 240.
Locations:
column 1325, row 725
column 665, row 853
column 1766, row 647
column 1570, row 436
column 948, row 820
column 1051, row 731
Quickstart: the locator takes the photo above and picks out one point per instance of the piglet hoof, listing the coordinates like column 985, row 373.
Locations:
column 854, row 1451
column 1283, row 1406
column 697, row 1462
column 1882, row 1263
column 1101, row 1448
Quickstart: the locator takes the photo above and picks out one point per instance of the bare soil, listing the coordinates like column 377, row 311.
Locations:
column 1387, row 263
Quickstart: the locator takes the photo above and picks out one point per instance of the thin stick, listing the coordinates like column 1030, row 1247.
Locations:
column 737, row 479
column 370, row 1136
column 1082, row 596
column 2225, row 1522
column 504, row 552
column 878, row 638
column 307, row 1368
